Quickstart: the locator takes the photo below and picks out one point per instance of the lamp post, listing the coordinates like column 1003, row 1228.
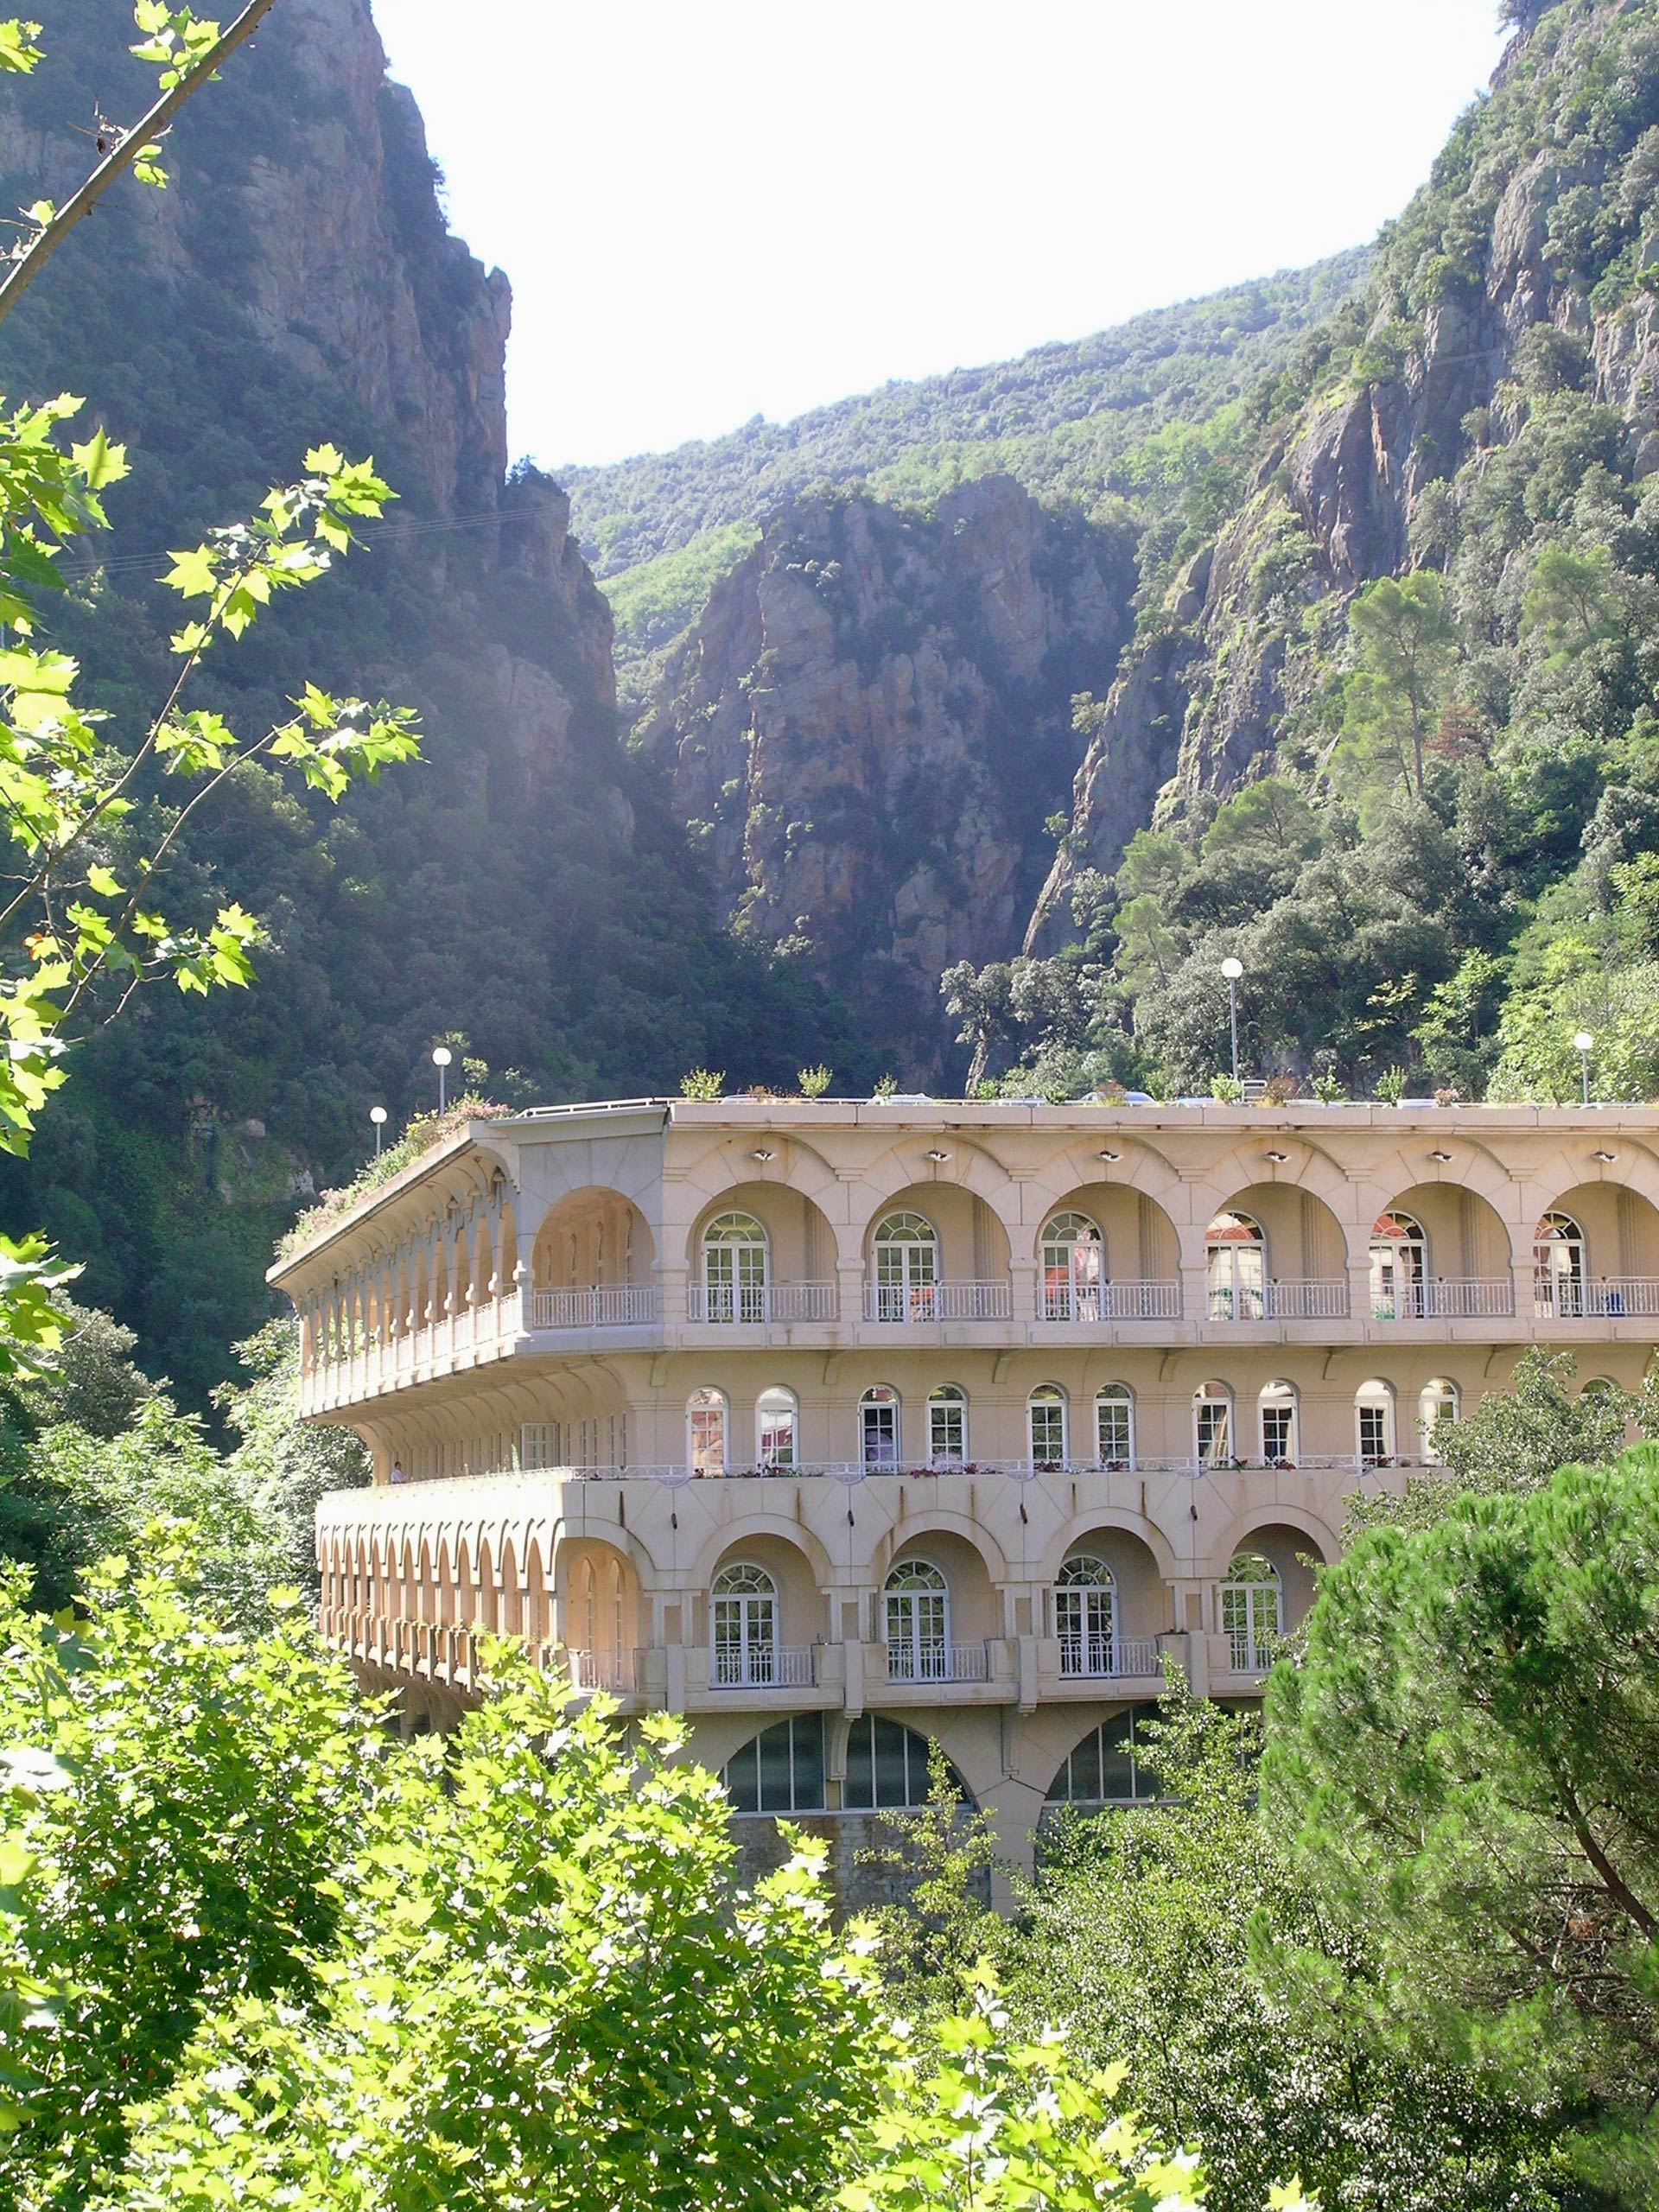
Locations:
column 442, row 1057
column 1232, row 969
column 378, row 1115
column 1584, row 1045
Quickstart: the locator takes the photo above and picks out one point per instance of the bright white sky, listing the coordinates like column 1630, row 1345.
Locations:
column 749, row 206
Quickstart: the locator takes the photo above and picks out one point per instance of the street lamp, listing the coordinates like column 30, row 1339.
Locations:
column 378, row 1115
column 1584, row 1045
column 1232, row 969
column 442, row 1057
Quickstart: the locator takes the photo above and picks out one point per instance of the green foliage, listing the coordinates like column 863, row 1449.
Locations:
column 815, row 1082
column 1464, row 1755
column 545, row 1989
column 979, row 2122
column 703, row 1082
column 172, row 1797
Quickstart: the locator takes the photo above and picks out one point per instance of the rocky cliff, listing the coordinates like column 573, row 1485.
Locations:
column 871, row 722
column 1521, row 275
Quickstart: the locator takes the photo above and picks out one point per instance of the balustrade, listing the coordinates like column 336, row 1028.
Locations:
column 918, row 1304
column 924, row 1661
column 755, row 1305
column 1444, row 1298
column 1109, row 1301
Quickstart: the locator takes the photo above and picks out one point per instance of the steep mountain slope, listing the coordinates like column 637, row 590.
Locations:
column 1111, row 413
column 871, row 722
column 527, row 886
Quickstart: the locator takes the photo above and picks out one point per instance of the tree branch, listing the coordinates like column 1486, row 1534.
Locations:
column 121, row 159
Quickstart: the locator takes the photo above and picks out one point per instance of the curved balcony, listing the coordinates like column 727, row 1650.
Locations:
column 627, row 1305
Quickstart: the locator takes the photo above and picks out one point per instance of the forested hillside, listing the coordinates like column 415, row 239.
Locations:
column 1115, row 414
column 526, row 888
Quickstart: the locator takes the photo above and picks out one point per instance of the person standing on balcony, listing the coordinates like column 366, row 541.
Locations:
column 397, row 1474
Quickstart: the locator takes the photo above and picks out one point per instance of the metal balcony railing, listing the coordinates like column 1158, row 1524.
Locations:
column 1447, row 1298
column 763, row 1667
column 1091, row 1655
column 624, row 1306
column 906, row 1305
column 1281, row 1302
column 924, row 1661
column 755, row 1305
column 600, row 1670
column 1109, row 1301
column 1607, row 1299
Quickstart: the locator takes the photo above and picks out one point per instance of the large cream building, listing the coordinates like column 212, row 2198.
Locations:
column 840, row 1425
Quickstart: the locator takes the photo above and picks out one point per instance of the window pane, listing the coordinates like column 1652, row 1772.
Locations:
column 742, row 1779
column 892, row 1765
column 859, row 1789
column 774, row 1749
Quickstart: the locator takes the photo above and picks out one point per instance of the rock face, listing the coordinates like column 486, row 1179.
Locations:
column 871, row 722
column 1203, row 696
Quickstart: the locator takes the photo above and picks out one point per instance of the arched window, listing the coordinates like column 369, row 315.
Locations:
column 947, row 1427
column 1086, row 1616
column 878, row 1427
column 735, row 1269
column 582, row 1625
column 888, row 1767
column 906, row 1268
column 1277, row 1406
column 1558, row 1267
column 1252, row 1613
column 1115, row 1425
column 1399, row 1267
column 1438, row 1405
column 1074, row 1267
column 777, row 1424
column 918, row 1623
column 746, row 1627
column 779, row 1770
column 1103, row 1770
column 705, row 1432
column 1235, row 1251
column 1046, row 1425
column 1374, row 1416
column 1212, row 1422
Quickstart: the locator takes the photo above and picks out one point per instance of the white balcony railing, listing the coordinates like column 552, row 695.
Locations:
column 938, row 1662
column 917, row 1304
column 1086, row 1657
column 1607, row 1299
column 1448, row 1298
column 755, row 1305
column 763, row 1667
column 600, row 1670
column 1109, row 1301
column 625, row 1306
column 1252, row 1655
column 1281, row 1302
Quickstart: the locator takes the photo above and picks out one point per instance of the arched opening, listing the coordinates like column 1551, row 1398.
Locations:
column 1438, row 1405
column 905, row 1255
column 887, row 1768
column 916, row 1621
column 1399, row 1267
column 1103, row 1769
column 744, row 1613
column 1279, row 1411
column 947, row 1429
column 1115, row 1427
column 1235, row 1253
column 1596, row 1255
column 1275, row 1252
column 1047, row 1425
column 1252, row 1612
column 591, row 1266
column 1074, row 1268
column 601, row 1604
column 1213, row 1425
column 1108, row 1253
column 935, row 1253
column 779, row 1770
column 1374, row 1423
column 1086, row 1616
column 736, row 1269
column 777, row 1417
column 706, row 1427
column 878, row 1427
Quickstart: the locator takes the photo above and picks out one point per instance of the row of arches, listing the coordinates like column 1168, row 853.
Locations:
column 784, row 1769
column 879, row 1442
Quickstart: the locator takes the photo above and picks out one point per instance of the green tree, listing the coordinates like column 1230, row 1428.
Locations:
column 1467, row 1756
column 173, row 1800
column 1406, row 645
column 281, row 1465
column 1573, row 596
